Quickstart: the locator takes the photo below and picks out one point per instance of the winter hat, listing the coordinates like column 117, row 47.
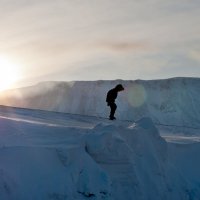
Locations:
column 119, row 87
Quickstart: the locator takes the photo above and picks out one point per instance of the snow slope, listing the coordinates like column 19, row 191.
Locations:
column 173, row 101
column 57, row 156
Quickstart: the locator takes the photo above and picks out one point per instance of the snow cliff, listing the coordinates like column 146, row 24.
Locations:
column 173, row 101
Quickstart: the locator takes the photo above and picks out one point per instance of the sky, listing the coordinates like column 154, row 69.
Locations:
column 66, row 40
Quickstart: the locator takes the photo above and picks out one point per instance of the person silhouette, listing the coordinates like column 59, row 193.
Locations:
column 110, row 99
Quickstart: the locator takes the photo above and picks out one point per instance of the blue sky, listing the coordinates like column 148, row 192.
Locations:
column 93, row 39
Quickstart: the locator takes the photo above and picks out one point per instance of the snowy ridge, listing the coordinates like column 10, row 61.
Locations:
column 74, row 157
column 173, row 101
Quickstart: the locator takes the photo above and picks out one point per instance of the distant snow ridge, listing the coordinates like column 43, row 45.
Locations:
column 173, row 101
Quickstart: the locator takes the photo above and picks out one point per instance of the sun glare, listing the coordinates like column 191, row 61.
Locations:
column 9, row 73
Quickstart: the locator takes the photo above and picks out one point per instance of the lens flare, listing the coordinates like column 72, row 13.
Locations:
column 136, row 95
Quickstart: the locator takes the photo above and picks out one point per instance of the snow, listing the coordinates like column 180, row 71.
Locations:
column 57, row 156
column 56, row 143
column 174, row 101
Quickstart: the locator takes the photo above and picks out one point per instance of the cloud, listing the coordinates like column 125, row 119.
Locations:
column 137, row 38
column 123, row 46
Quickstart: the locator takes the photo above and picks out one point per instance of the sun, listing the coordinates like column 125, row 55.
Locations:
column 9, row 73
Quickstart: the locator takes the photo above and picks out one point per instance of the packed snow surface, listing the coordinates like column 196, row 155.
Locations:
column 57, row 156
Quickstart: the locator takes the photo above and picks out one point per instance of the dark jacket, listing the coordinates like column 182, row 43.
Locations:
column 111, row 95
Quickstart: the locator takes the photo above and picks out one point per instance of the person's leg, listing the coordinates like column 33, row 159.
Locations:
column 113, row 108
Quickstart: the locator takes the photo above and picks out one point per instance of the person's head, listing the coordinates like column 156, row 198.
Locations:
column 119, row 87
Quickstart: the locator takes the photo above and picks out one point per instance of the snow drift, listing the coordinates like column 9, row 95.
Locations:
column 173, row 101
column 142, row 167
column 42, row 160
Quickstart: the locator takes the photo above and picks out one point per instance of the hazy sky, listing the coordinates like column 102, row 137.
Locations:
column 101, row 39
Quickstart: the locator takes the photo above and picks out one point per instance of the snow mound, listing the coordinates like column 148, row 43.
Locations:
column 110, row 161
column 142, row 168
column 46, row 173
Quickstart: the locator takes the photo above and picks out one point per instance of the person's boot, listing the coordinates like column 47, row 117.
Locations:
column 112, row 118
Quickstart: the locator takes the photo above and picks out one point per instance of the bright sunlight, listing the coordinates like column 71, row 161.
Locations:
column 9, row 73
